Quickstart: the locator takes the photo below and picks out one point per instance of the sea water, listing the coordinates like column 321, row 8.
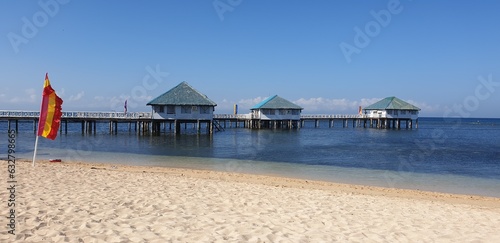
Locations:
column 445, row 155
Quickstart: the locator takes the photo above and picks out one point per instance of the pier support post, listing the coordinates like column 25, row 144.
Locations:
column 177, row 127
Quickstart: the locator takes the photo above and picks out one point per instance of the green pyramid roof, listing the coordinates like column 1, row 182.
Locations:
column 391, row 103
column 182, row 94
column 276, row 102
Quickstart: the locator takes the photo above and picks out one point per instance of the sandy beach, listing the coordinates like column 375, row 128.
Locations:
column 80, row 202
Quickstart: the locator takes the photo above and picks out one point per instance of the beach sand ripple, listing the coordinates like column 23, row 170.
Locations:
column 62, row 202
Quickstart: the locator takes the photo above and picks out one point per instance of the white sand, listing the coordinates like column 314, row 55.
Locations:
column 62, row 202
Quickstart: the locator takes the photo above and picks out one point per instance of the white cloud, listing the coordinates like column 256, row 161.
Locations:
column 426, row 107
column 226, row 106
column 76, row 97
column 251, row 102
column 61, row 93
column 28, row 97
column 333, row 106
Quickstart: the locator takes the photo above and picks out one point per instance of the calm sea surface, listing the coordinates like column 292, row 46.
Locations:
column 452, row 155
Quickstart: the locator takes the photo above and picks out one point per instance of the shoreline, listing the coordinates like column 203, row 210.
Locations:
column 290, row 182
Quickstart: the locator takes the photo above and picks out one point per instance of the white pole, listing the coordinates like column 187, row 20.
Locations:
column 34, row 153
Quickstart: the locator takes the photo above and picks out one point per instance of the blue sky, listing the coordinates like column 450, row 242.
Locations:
column 443, row 56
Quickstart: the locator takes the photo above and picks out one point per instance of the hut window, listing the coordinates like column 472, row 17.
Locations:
column 295, row 112
column 268, row 112
column 403, row 112
column 282, row 112
column 162, row 109
column 389, row 112
column 186, row 109
column 205, row 110
column 170, row 109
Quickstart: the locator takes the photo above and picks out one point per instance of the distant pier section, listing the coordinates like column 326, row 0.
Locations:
column 351, row 120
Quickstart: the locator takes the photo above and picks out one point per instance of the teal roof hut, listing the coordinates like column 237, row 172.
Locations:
column 183, row 104
column 182, row 94
column 276, row 103
column 392, row 109
column 276, row 112
column 392, row 103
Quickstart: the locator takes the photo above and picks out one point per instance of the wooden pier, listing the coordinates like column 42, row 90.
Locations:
column 359, row 121
column 247, row 121
column 138, row 121
column 142, row 122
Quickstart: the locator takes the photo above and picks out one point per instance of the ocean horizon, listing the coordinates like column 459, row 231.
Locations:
column 444, row 154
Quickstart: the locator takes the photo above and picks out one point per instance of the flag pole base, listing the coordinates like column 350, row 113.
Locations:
column 34, row 153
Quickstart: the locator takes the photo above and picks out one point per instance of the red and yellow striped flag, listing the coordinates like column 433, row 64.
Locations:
column 50, row 112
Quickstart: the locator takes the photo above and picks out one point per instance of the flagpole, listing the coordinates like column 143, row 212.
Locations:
column 38, row 127
column 34, row 153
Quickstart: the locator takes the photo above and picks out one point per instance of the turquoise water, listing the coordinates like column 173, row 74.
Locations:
column 452, row 155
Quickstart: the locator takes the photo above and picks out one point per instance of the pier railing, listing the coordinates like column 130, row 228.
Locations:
column 78, row 114
column 326, row 116
column 233, row 116
column 148, row 115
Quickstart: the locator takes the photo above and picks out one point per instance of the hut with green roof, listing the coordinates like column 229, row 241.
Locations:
column 275, row 112
column 182, row 104
column 390, row 112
